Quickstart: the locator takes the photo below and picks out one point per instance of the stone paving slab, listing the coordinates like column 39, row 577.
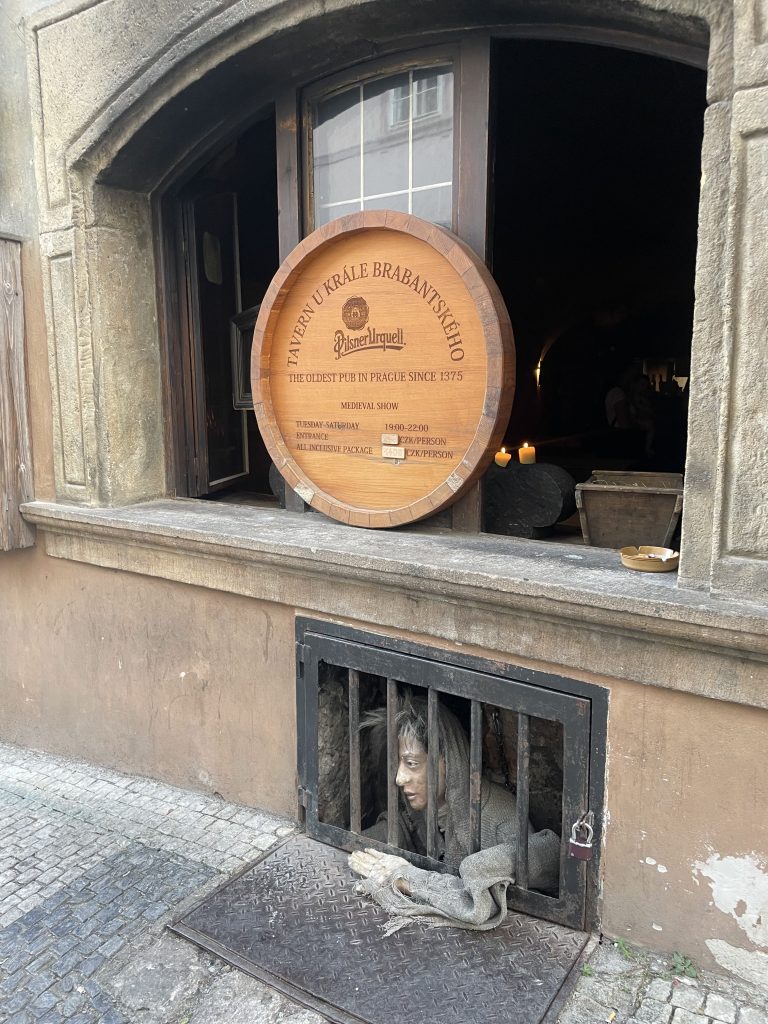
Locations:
column 94, row 864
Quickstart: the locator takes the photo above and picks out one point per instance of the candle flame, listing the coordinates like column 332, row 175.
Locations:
column 503, row 451
column 525, row 445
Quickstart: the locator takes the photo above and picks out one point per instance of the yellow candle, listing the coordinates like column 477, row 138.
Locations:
column 527, row 454
column 502, row 458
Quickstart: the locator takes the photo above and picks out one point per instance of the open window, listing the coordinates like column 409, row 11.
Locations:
column 225, row 221
column 597, row 161
column 572, row 169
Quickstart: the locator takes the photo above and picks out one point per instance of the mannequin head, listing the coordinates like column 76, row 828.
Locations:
column 412, row 773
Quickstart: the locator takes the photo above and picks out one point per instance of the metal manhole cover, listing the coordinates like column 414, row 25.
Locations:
column 294, row 920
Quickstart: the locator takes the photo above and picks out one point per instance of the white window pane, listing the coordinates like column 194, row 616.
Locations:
column 336, row 148
column 323, row 214
column 376, row 143
column 386, row 110
column 434, row 204
column 432, row 126
column 399, row 203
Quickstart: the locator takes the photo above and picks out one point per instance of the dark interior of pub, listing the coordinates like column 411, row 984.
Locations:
column 595, row 202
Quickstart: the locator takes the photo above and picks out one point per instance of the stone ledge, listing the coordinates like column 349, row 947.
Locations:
column 552, row 581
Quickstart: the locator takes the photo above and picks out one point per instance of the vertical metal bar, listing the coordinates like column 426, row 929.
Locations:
column 433, row 759
column 355, row 794
column 393, row 758
column 523, row 773
column 475, row 774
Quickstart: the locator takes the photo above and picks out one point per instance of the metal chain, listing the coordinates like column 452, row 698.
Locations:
column 586, row 823
column 497, row 732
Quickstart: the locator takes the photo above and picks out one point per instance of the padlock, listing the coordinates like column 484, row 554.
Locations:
column 579, row 850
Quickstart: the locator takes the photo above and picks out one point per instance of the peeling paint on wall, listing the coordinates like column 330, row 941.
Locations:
column 751, row 965
column 740, row 888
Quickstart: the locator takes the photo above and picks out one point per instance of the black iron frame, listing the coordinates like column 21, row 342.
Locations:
column 580, row 707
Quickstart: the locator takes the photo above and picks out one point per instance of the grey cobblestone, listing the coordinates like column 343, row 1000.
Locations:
column 720, row 1008
column 651, row 1011
column 92, row 864
column 689, row 997
column 683, row 1016
column 748, row 1015
column 659, row 998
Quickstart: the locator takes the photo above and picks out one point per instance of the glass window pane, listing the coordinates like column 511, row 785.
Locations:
column 215, row 219
column 375, row 145
column 432, row 126
column 323, row 214
column 386, row 111
column 434, row 204
column 336, row 148
column 396, row 202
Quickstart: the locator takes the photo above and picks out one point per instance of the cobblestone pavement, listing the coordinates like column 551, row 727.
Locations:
column 93, row 864
column 628, row 986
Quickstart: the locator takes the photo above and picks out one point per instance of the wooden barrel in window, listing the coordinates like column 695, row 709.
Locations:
column 383, row 369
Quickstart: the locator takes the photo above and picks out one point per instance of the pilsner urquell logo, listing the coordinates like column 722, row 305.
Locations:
column 355, row 313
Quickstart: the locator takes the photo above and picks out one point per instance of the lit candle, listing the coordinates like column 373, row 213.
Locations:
column 527, row 454
column 502, row 458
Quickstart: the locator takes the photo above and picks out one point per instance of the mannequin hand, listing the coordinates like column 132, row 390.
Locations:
column 379, row 867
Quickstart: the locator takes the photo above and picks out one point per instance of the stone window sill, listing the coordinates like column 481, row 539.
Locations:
column 524, row 594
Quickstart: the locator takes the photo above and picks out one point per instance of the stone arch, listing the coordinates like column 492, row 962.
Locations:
column 209, row 61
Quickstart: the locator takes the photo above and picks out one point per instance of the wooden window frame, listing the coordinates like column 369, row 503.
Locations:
column 470, row 60
column 16, row 486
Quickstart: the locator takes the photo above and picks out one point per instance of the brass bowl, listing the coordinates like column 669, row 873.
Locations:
column 649, row 559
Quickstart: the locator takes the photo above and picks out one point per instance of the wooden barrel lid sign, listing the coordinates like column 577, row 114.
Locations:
column 382, row 369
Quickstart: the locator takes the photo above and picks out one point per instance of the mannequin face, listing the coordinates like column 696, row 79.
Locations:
column 412, row 775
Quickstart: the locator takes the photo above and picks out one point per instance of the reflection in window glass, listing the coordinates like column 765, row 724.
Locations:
column 433, row 204
column 336, row 148
column 389, row 202
column 386, row 144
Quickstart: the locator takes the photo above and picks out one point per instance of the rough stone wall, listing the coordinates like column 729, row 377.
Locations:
column 90, row 119
column 546, row 764
column 333, row 747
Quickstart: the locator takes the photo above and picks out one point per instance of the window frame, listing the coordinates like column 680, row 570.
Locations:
column 470, row 58
column 470, row 62
column 334, row 85
column 204, row 484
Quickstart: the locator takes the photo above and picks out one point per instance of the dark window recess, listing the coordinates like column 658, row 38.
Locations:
column 594, row 250
column 227, row 221
column 530, row 739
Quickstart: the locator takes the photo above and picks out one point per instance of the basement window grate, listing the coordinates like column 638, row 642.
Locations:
column 539, row 736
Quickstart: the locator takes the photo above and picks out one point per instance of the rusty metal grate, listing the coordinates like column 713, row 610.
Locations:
column 393, row 666
column 294, row 920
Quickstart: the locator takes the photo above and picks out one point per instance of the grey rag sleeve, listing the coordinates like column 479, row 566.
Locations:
column 476, row 898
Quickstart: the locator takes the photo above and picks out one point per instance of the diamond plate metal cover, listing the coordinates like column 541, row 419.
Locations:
column 294, row 920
